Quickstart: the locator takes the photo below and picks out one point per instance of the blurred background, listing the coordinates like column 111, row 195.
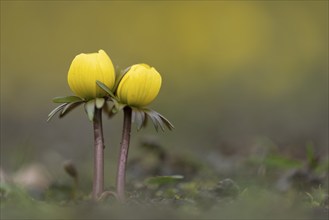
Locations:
column 239, row 78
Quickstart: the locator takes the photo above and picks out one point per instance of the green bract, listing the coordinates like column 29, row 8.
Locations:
column 139, row 114
column 68, row 104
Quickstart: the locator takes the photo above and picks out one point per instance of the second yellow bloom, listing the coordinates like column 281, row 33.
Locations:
column 139, row 86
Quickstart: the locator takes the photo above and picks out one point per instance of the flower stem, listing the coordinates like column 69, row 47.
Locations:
column 98, row 181
column 121, row 173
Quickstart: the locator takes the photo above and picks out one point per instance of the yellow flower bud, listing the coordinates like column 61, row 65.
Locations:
column 85, row 69
column 139, row 86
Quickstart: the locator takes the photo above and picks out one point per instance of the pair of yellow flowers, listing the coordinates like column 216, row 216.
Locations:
column 138, row 87
column 92, row 78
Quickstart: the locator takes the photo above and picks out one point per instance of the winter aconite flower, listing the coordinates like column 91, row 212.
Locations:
column 139, row 86
column 86, row 69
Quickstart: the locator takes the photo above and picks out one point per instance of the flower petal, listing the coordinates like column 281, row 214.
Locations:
column 139, row 86
column 85, row 69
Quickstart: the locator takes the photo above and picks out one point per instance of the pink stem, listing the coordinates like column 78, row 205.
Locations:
column 121, row 173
